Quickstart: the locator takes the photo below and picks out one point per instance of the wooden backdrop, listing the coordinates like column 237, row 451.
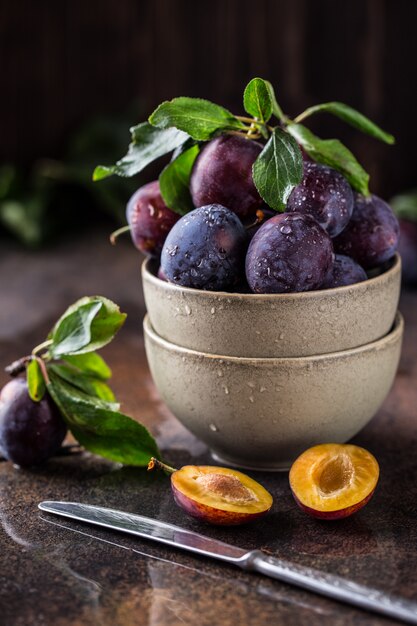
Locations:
column 62, row 61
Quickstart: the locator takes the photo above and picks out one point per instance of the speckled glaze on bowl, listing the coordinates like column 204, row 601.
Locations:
column 273, row 325
column 262, row 413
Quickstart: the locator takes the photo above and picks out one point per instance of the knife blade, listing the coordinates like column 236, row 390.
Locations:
column 313, row 580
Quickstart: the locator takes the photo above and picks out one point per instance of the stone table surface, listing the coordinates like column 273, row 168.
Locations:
column 61, row 573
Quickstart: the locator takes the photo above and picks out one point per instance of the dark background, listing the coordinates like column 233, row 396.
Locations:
column 64, row 62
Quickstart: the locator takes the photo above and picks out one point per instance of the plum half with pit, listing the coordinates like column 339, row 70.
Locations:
column 371, row 237
column 205, row 249
column 345, row 271
column 326, row 195
column 30, row 432
column 290, row 252
column 217, row 495
column 222, row 174
column 149, row 219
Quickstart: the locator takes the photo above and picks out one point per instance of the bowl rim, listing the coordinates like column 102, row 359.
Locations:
column 148, row 275
column 393, row 335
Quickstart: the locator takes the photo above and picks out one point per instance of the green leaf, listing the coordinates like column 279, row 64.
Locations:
column 257, row 99
column 199, row 118
column 333, row 153
column 36, row 383
column 89, row 384
column 90, row 363
column 100, row 429
column 352, row 117
column 405, row 205
column 174, row 181
column 88, row 324
column 148, row 143
column 278, row 169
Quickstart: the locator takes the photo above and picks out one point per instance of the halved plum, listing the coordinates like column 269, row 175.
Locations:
column 332, row 480
column 217, row 495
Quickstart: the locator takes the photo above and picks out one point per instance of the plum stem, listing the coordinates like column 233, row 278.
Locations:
column 41, row 346
column 17, row 367
column 159, row 465
column 254, row 122
column 118, row 232
column 44, row 371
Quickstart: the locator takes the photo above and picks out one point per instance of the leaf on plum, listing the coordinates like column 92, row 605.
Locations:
column 89, row 384
column 278, row 169
column 90, row 363
column 36, row 383
column 333, row 153
column 201, row 119
column 148, row 143
column 100, row 428
column 257, row 99
column 352, row 117
column 89, row 324
column 174, row 181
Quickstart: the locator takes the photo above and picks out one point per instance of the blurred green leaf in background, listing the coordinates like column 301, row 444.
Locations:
column 58, row 196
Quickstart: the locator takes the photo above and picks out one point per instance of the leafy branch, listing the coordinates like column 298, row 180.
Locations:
column 182, row 124
column 68, row 368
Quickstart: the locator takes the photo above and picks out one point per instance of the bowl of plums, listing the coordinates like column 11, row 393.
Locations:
column 271, row 280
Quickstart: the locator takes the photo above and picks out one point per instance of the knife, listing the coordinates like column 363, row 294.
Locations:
column 308, row 578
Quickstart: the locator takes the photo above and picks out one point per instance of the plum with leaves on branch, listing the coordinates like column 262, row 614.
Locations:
column 245, row 162
column 66, row 388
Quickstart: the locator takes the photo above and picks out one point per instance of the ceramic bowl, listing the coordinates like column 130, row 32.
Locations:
column 273, row 325
column 262, row 413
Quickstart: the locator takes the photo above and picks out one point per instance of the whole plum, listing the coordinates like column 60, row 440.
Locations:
column 150, row 219
column 325, row 195
column 30, row 432
column 222, row 174
column 345, row 271
column 290, row 252
column 371, row 237
column 205, row 249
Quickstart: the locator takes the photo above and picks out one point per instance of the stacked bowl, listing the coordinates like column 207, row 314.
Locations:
column 260, row 378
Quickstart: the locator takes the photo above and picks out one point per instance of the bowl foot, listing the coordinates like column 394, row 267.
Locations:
column 276, row 466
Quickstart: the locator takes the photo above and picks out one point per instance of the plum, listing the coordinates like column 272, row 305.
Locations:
column 30, row 432
column 325, row 195
column 371, row 237
column 205, row 249
column 222, row 174
column 290, row 252
column 332, row 480
column 150, row 219
column 217, row 495
column 345, row 271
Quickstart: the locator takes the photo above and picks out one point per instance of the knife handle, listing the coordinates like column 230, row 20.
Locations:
column 332, row 586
